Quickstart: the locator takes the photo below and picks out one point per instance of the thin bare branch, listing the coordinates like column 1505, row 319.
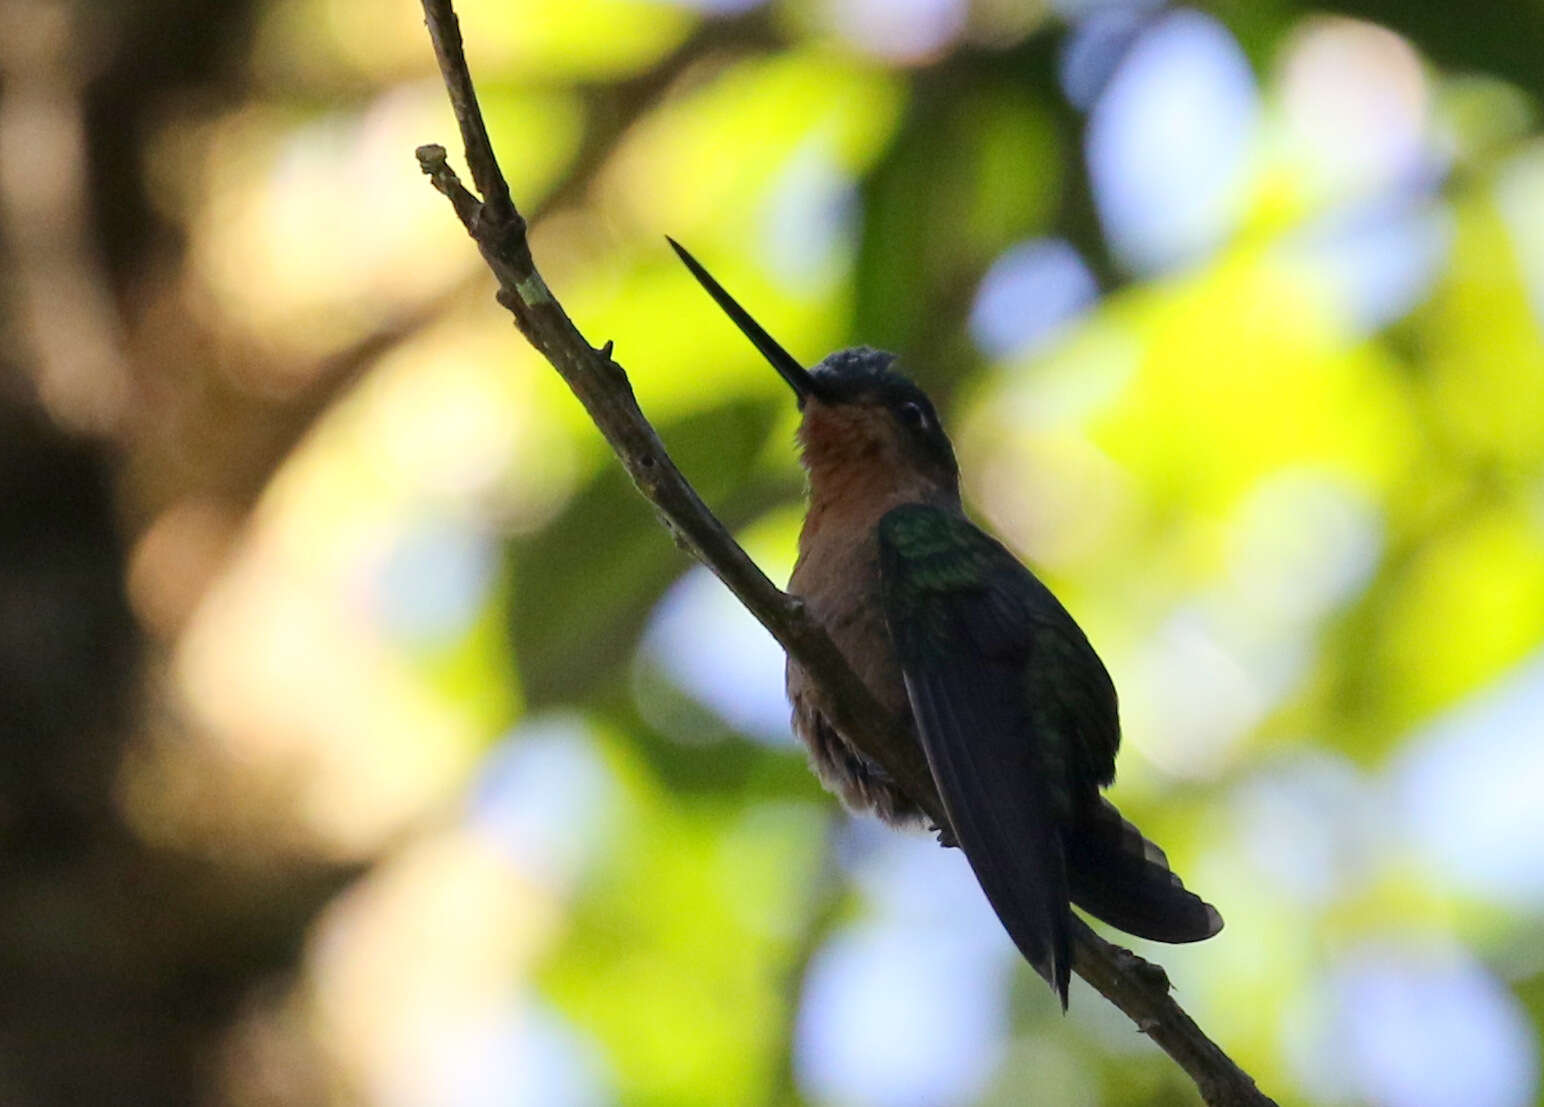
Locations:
column 445, row 33
column 1137, row 987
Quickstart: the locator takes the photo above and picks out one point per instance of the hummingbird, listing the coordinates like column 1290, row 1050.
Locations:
column 1015, row 713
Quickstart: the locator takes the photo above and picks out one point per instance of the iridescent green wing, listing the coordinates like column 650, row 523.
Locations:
column 1014, row 710
column 1019, row 720
column 945, row 577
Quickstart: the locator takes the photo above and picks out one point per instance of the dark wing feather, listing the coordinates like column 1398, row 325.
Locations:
column 994, row 797
column 959, row 607
column 1019, row 721
column 1119, row 876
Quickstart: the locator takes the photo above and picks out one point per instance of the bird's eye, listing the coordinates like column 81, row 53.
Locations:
column 913, row 415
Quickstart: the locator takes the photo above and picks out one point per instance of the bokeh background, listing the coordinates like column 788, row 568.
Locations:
column 366, row 740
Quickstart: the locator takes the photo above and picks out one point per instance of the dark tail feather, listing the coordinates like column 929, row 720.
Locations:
column 1118, row 876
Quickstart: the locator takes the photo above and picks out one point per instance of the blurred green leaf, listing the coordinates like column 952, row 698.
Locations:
column 584, row 585
column 976, row 167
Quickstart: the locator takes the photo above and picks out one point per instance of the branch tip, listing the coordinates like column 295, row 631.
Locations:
column 431, row 158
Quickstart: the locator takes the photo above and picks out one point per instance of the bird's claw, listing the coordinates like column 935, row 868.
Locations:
column 946, row 836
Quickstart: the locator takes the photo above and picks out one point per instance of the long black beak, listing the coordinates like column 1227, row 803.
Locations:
column 795, row 374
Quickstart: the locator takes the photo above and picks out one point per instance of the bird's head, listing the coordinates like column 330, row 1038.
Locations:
column 864, row 424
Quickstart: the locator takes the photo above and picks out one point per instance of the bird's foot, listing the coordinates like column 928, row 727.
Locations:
column 946, row 836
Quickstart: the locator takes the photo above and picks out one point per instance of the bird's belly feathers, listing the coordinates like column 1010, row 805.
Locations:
column 840, row 589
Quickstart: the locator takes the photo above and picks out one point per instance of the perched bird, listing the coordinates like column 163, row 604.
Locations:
column 1014, row 710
